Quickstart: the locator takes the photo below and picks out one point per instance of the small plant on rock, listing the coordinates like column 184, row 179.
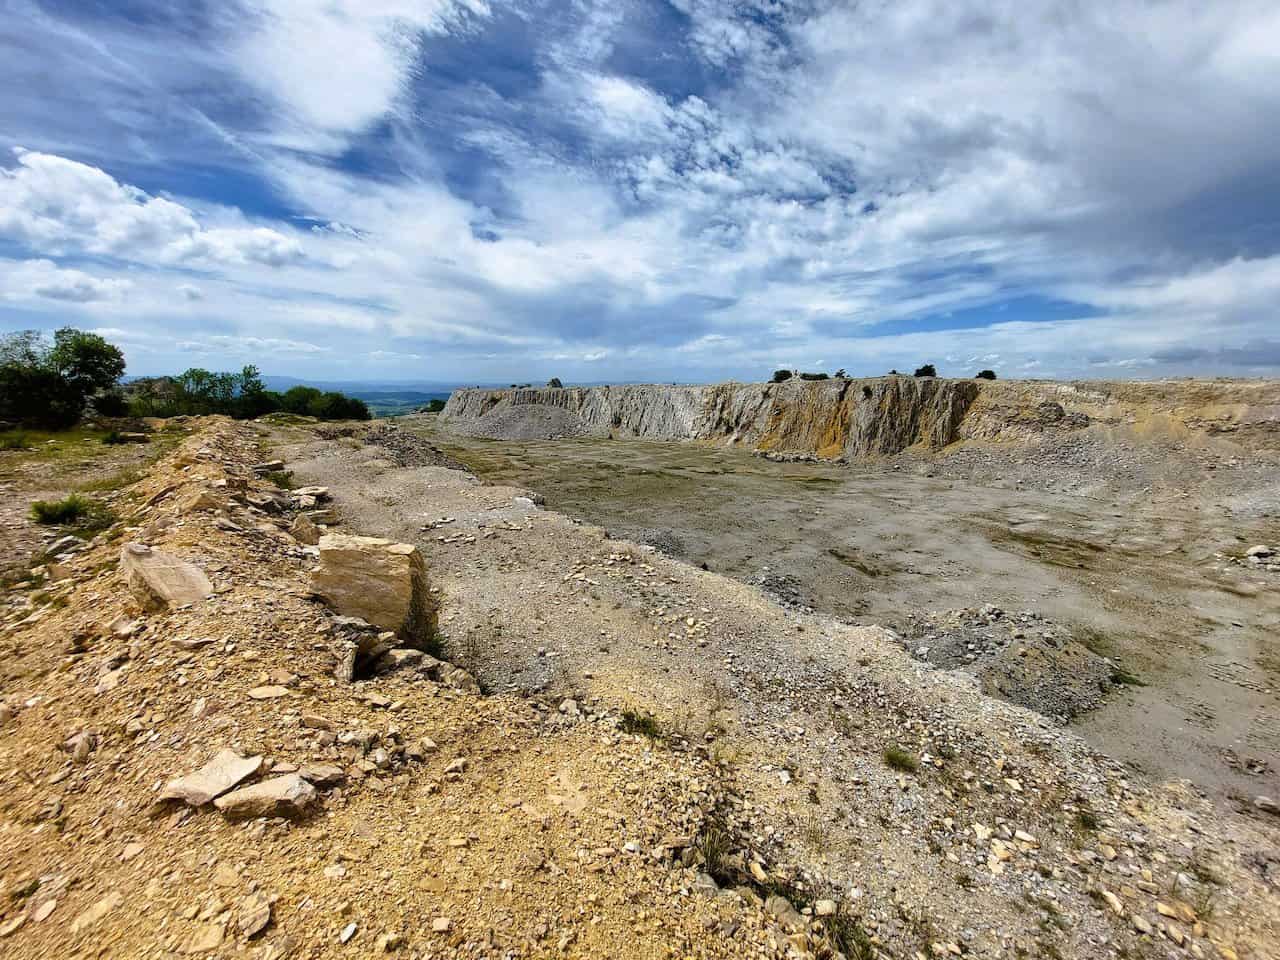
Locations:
column 901, row 760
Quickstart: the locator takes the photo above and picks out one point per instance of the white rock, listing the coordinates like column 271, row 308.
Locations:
column 215, row 778
column 161, row 581
column 280, row 796
column 379, row 581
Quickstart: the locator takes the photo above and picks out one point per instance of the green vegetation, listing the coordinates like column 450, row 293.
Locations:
column 242, row 395
column 555, row 382
column 48, row 383
column 1121, row 676
column 985, row 375
column 281, row 478
column 815, row 376
column 113, row 438
column 73, row 510
column 645, row 724
column 16, row 440
column 1087, row 820
column 780, row 376
column 926, row 371
column 900, row 759
column 435, row 406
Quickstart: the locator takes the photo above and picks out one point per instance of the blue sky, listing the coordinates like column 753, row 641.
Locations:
column 475, row 190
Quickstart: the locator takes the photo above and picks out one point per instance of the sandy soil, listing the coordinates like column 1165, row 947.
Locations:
column 1137, row 575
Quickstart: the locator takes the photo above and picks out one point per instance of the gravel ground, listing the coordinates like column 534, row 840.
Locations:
column 860, row 770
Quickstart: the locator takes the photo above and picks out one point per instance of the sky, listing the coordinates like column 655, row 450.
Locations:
column 612, row 190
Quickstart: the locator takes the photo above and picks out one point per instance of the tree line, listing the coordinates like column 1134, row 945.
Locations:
column 52, row 382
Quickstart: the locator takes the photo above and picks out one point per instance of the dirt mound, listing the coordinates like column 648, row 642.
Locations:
column 522, row 422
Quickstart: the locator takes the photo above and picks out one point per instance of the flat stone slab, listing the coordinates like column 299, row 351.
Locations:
column 160, row 580
column 284, row 796
column 212, row 780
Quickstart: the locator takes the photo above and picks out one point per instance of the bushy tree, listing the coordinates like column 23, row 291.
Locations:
column 48, row 384
column 986, row 375
column 840, row 374
column 555, row 382
column 781, row 375
column 926, row 371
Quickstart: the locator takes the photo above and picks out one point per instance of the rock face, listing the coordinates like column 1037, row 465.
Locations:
column 380, row 581
column 824, row 418
column 161, row 581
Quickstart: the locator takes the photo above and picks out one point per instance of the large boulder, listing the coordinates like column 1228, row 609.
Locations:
column 379, row 581
column 160, row 580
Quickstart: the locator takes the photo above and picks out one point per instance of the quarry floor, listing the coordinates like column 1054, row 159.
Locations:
column 1139, row 576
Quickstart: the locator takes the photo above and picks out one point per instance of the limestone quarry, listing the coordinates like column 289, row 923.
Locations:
column 506, row 683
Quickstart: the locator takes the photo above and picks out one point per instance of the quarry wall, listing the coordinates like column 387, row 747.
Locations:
column 825, row 418
column 856, row 419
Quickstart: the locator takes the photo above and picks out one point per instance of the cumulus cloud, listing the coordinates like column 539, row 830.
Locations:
column 45, row 279
column 56, row 205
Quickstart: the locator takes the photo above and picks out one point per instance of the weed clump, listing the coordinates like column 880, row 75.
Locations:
column 900, row 759
column 1123, row 677
column 17, row 440
column 636, row 721
column 73, row 510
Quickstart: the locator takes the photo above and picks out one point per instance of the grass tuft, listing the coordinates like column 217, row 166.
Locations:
column 74, row 510
column 900, row 759
column 636, row 721
column 1122, row 677
column 17, row 440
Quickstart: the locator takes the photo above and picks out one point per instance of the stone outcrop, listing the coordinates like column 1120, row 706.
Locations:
column 824, row 418
column 161, row 581
column 379, row 581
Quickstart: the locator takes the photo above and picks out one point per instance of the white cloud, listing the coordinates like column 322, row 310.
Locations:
column 58, row 206
column 336, row 67
column 45, row 279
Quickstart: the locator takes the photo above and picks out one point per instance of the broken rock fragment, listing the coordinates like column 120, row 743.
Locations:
column 161, row 581
column 283, row 796
column 380, row 581
column 212, row 780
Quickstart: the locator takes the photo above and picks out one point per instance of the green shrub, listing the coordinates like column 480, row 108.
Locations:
column 110, row 404
column 15, row 441
column 67, row 510
column 73, row 510
column 113, row 438
column 926, row 371
column 900, row 759
column 645, row 724
column 986, row 375
column 781, row 375
column 814, row 376
column 47, row 383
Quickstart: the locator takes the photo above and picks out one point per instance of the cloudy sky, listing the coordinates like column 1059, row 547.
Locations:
column 479, row 190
